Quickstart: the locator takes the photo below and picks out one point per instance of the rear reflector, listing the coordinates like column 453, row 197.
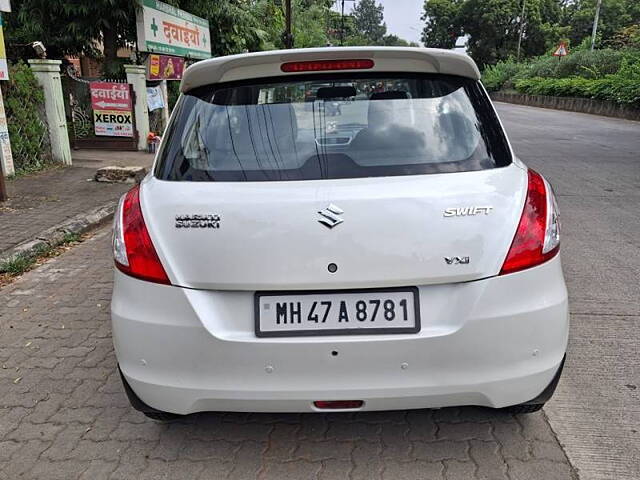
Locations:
column 323, row 65
column 338, row 404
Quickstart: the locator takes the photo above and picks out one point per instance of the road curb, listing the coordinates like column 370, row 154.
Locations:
column 570, row 104
column 54, row 236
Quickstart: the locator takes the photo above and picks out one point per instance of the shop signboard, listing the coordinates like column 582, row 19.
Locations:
column 112, row 109
column 165, row 29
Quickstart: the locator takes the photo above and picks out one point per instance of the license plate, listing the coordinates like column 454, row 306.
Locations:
column 337, row 312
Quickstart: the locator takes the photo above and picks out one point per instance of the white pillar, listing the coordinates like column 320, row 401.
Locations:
column 47, row 72
column 136, row 75
column 6, row 159
column 165, row 109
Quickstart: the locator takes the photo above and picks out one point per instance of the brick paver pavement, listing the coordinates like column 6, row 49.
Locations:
column 63, row 413
column 45, row 200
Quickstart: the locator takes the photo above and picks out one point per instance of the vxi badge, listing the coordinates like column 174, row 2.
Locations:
column 457, row 260
column 465, row 211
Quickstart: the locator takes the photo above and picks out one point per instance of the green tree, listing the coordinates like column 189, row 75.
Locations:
column 391, row 40
column 368, row 21
column 340, row 30
column 97, row 28
column 310, row 20
column 614, row 15
column 234, row 24
column 442, row 23
column 72, row 27
column 540, row 27
column 494, row 26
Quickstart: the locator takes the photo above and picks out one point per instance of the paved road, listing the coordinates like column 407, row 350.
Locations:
column 594, row 165
column 63, row 414
column 67, row 416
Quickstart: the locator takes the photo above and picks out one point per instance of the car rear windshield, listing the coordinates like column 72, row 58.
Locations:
column 343, row 126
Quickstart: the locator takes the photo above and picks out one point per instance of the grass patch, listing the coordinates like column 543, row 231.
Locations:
column 24, row 262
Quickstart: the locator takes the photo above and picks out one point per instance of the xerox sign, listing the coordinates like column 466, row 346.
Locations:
column 113, row 123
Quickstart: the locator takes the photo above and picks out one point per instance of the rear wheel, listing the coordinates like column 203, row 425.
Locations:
column 524, row 408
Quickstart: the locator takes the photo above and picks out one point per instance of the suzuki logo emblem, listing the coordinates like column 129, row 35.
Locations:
column 331, row 216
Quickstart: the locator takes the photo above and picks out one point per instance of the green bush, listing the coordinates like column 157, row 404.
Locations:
column 581, row 63
column 605, row 74
column 590, row 64
column 614, row 88
column 545, row 66
column 24, row 107
column 501, row 74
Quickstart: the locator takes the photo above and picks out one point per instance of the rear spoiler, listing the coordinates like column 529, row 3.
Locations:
column 382, row 59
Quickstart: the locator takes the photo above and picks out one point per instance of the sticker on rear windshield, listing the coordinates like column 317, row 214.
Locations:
column 198, row 221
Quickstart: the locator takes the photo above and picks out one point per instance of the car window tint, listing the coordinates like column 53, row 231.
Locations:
column 307, row 128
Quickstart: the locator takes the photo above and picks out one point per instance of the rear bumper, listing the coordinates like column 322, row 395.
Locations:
column 493, row 342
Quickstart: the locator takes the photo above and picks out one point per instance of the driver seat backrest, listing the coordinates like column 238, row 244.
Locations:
column 382, row 107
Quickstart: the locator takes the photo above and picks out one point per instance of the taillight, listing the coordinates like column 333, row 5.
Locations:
column 323, row 65
column 537, row 238
column 133, row 249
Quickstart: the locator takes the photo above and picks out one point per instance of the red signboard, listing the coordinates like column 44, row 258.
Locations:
column 165, row 67
column 110, row 96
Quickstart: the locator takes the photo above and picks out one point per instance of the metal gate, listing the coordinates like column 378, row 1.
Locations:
column 80, row 116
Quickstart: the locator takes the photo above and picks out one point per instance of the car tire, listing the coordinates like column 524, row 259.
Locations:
column 524, row 408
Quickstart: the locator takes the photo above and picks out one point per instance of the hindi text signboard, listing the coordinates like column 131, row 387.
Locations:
column 166, row 29
column 110, row 96
column 112, row 109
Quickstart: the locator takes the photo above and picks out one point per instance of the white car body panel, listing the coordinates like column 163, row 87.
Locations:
column 492, row 342
column 394, row 231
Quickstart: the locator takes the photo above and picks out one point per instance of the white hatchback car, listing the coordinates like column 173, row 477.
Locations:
column 337, row 229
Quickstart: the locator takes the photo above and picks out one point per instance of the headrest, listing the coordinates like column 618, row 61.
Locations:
column 381, row 107
column 389, row 95
column 336, row 92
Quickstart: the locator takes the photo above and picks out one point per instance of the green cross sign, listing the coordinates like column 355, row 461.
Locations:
column 154, row 27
